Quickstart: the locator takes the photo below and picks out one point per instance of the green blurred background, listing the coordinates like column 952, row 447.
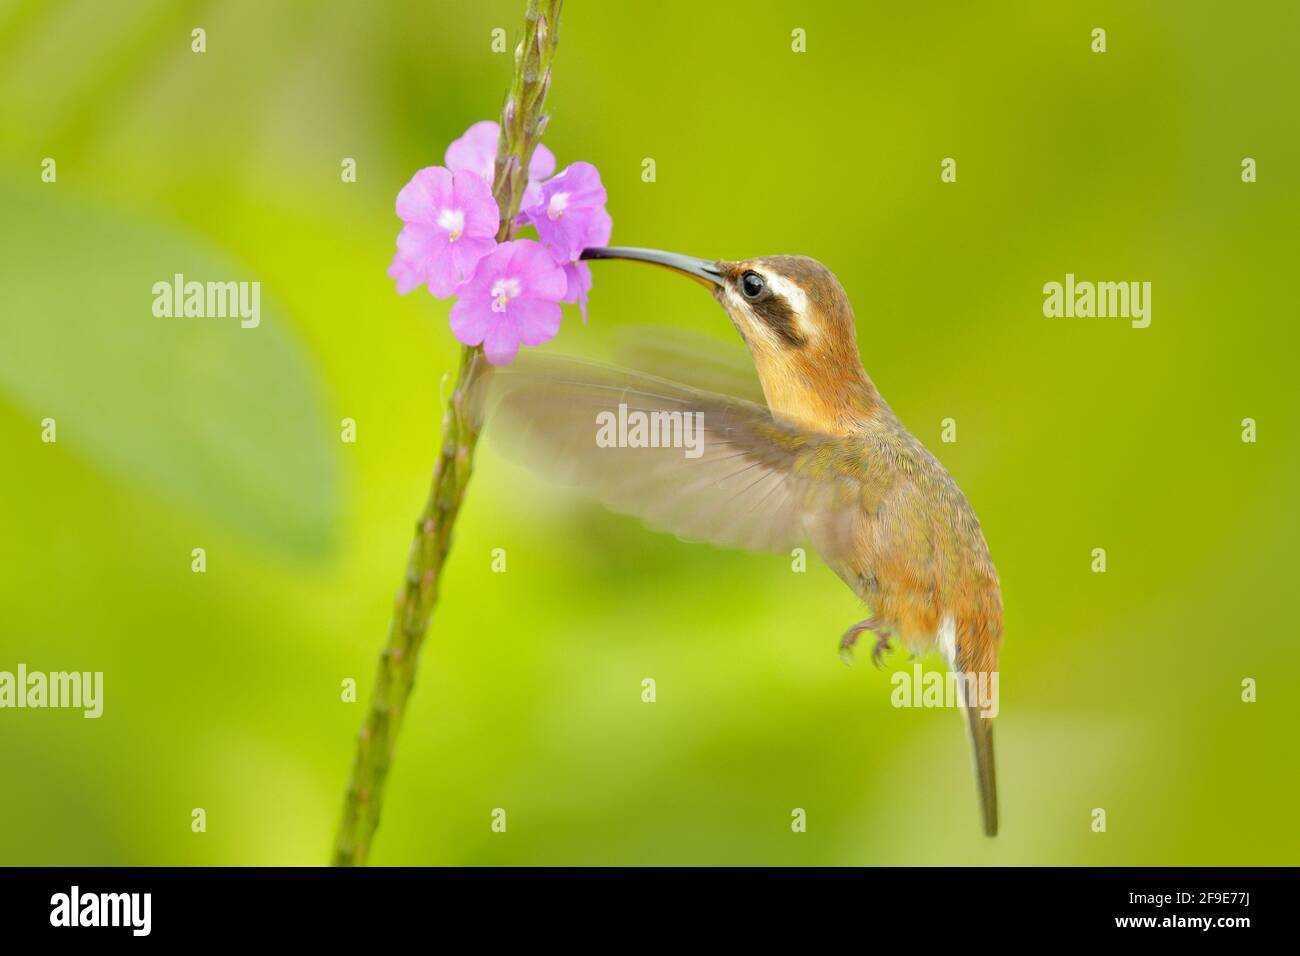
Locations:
column 222, row 690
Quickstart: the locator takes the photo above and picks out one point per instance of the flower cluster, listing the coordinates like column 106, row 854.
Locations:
column 508, row 293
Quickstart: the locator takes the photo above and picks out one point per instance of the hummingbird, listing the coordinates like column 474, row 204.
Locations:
column 820, row 458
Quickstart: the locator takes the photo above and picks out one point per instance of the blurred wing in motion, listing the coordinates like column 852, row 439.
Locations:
column 680, row 355
column 724, row 471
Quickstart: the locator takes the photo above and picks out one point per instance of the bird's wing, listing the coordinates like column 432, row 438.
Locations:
column 709, row 363
column 727, row 472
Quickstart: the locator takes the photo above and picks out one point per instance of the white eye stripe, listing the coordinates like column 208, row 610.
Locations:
column 795, row 298
column 793, row 295
column 756, row 326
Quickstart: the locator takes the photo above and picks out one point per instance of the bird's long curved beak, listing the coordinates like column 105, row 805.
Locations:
column 701, row 270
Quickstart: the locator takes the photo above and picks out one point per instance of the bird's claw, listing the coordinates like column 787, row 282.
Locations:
column 846, row 652
column 850, row 639
column 882, row 645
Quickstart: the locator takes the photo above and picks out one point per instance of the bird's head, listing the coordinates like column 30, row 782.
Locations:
column 795, row 318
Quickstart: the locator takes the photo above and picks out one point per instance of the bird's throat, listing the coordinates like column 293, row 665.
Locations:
column 832, row 398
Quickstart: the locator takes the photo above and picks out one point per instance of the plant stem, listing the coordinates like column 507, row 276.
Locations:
column 522, row 125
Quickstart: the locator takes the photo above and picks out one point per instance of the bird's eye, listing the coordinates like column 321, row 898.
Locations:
column 752, row 285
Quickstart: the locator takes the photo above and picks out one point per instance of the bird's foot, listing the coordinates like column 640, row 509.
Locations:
column 882, row 645
column 850, row 639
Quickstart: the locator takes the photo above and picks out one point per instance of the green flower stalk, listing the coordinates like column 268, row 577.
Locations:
column 522, row 125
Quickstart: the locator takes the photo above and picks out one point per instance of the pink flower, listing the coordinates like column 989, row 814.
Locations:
column 569, row 215
column 570, row 211
column 513, row 298
column 577, row 276
column 508, row 295
column 578, row 273
column 451, row 222
column 407, row 272
column 476, row 152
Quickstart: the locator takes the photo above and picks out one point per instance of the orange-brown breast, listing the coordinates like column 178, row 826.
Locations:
column 918, row 551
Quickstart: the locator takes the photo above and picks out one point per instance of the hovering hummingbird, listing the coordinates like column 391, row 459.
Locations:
column 823, row 461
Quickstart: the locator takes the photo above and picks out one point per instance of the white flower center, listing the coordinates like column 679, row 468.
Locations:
column 555, row 208
column 502, row 292
column 453, row 220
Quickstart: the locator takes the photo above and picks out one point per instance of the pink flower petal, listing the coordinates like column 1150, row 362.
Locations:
column 445, row 265
column 429, row 190
column 599, row 228
column 419, row 243
column 473, row 197
column 570, row 213
column 539, row 277
column 442, row 276
column 582, row 180
column 501, row 344
column 512, row 297
column 535, row 320
column 470, row 320
column 542, row 165
column 467, row 252
column 476, row 150
column 450, row 224
column 578, row 277
column 532, row 197
column 408, row 274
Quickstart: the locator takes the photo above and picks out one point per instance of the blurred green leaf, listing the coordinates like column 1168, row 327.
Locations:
column 210, row 414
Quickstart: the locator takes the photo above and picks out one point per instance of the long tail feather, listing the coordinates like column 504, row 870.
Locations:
column 981, row 739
